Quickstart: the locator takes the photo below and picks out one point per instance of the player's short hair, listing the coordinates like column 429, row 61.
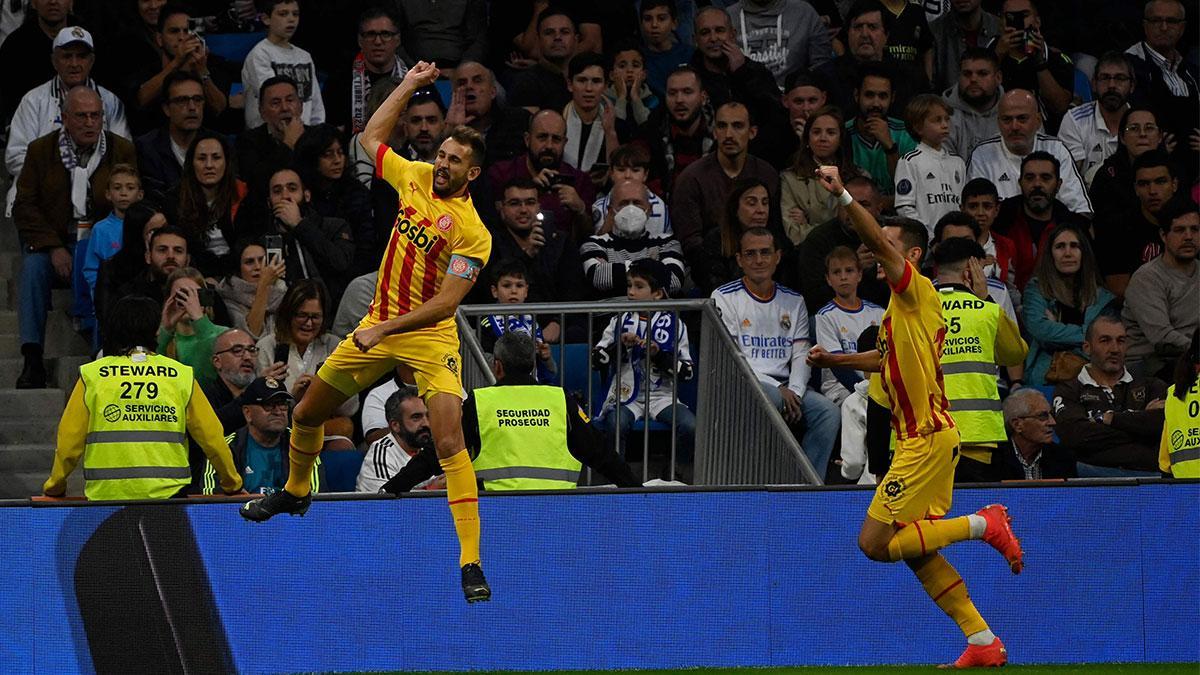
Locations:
column 132, row 321
column 1177, row 207
column 687, row 69
column 630, row 156
column 427, row 95
column 757, row 232
column 954, row 252
column 912, row 232
column 1106, row 317
column 1116, row 58
column 169, row 10
column 553, row 11
column 980, row 187
column 655, row 4
column 1152, row 159
column 509, row 267
column 168, row 230
column 862, row 179
column 173, row 79
column 920, row 108
column 840, row 253
column 392, row 406
column 271, row 82
column 1042, row 156
column 955, row 218
column 518, row 183
column 736, row 104
column 123, row 169
column 583, row 61
column 516, row 351
column 979, row 54
column 465, row 135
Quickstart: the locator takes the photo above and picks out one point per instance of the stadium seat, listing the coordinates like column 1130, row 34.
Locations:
column 341, row 469
column 233, row 47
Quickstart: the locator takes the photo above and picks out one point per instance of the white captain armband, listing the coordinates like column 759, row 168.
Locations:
column 464, row 267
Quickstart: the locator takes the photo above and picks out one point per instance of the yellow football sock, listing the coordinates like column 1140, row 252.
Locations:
column 922, row 537
column 305, row 446
column 948, row 591
column 463, row 494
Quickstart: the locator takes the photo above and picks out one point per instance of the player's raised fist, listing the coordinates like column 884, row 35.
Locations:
column 830, row 179
column 422, row 75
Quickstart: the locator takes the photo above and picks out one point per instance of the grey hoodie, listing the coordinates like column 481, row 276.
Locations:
column 968, row 126
column 783, row 35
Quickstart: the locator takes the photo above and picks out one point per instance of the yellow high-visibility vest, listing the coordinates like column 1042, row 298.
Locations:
column 523, row 439
column 969, row 365
column 1179, row 450
column 136, row 445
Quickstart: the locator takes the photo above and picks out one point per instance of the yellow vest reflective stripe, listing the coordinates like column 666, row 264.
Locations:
column 136, row 445
column 523, row 439
column 969, row 365
column 1181, row 432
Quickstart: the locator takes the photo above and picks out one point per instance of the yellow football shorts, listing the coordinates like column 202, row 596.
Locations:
column 920, row 482
column 433, row 356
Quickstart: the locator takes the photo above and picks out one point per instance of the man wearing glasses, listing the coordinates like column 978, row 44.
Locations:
column 1166, row 81
column 161, row 152
column 1090, row 130
column 235, row 358
column 1033, row 454
column 380, row 58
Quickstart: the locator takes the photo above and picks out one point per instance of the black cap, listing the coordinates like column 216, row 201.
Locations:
column 652, row 271
column 264, row 389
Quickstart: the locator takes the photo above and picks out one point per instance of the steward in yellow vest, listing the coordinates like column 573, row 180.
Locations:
column 522, row 435
column 979, row 336
column 1179, row 449
column 129, row 417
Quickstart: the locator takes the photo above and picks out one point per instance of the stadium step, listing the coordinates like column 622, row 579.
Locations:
column 17, row 458
column 28, row 431
column 25, row 484
column 30, row 403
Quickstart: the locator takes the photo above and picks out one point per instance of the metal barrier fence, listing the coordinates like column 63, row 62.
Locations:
column 740, row 438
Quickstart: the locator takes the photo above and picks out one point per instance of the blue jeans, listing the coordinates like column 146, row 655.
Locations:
column 623, row 418
column 37, row 277
column 822, row 421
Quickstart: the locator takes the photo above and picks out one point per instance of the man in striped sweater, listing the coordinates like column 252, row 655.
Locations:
column 606, row 257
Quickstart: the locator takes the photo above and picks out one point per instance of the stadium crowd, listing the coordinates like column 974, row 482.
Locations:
column 149, row 154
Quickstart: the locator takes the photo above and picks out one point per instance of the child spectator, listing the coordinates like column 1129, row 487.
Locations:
column 839, row 323
column 664, row 338
column 632, row 98
column 928, row 179
column 276, row 55
column 631, row 162
column 510, row 286
column 981, row 201
column 124, row 190
column 664, row 51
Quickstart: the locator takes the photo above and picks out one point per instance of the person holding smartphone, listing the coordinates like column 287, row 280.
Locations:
column 187, row 331
column 1027, row 62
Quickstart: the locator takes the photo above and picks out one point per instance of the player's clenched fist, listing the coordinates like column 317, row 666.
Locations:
column 365, row 338
column 422, row 75
column 830, row 179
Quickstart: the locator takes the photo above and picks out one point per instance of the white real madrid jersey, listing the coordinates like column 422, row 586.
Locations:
column 773, row 333
column 929, row 184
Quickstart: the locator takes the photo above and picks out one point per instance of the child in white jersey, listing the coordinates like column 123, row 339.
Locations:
column 839, row 323
column 275, row 55
column 929, row 179
column 633, row 338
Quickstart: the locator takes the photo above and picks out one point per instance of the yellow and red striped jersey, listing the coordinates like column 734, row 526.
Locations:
column 910, row 350
column 432, row 237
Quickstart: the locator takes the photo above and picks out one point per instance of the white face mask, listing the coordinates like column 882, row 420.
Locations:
column 630, row 222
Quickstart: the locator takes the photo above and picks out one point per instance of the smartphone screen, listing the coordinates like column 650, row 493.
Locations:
column 281, row 354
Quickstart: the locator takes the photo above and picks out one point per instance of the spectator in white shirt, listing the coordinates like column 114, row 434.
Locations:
column 769, row 322
column 406, row 435
column 928, row 179
column 1090, row 130
column 275, row 55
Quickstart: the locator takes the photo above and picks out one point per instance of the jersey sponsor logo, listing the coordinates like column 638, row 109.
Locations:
column 904, row 186
column 444, row 223
column 416, row 232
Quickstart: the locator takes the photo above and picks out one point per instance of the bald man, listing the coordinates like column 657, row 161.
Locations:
column 563, row 192
column 998, row 159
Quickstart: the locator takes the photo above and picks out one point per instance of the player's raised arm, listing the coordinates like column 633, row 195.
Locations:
column 380, row 126
column 864, row 225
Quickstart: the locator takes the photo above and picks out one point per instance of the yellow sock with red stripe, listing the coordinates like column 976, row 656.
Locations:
column 305, row 445
column 946, row 587
column 463, row 494
column 922, row 537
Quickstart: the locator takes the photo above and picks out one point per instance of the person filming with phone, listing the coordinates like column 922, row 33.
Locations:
column 1027, row 62
column 187, row 330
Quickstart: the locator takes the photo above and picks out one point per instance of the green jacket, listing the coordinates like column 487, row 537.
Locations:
column 193, row 350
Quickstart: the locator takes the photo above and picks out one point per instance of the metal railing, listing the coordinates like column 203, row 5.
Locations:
column 741, row 438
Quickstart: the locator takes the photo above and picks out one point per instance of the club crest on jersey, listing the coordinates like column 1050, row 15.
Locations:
column 745, row 323
column 444, row 223
column 785, row 321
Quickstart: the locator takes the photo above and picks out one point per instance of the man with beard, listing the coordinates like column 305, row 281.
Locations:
column 407, row 435
column 161, row 152
column 1028, row 217
column 998, row 159
column 437, row 249
column 474, row 104
column 166, row 252
column 523, row 435
column 235, row 358
column 964, row 28
column 1090, row 130
column 878, row 140
column 975, row 101
column 1126, row 241
column 424, row 125
column 678, row 133
column 1167, row 311
column 564, row 192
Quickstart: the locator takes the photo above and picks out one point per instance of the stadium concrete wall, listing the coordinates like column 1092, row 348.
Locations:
column 751, row 577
